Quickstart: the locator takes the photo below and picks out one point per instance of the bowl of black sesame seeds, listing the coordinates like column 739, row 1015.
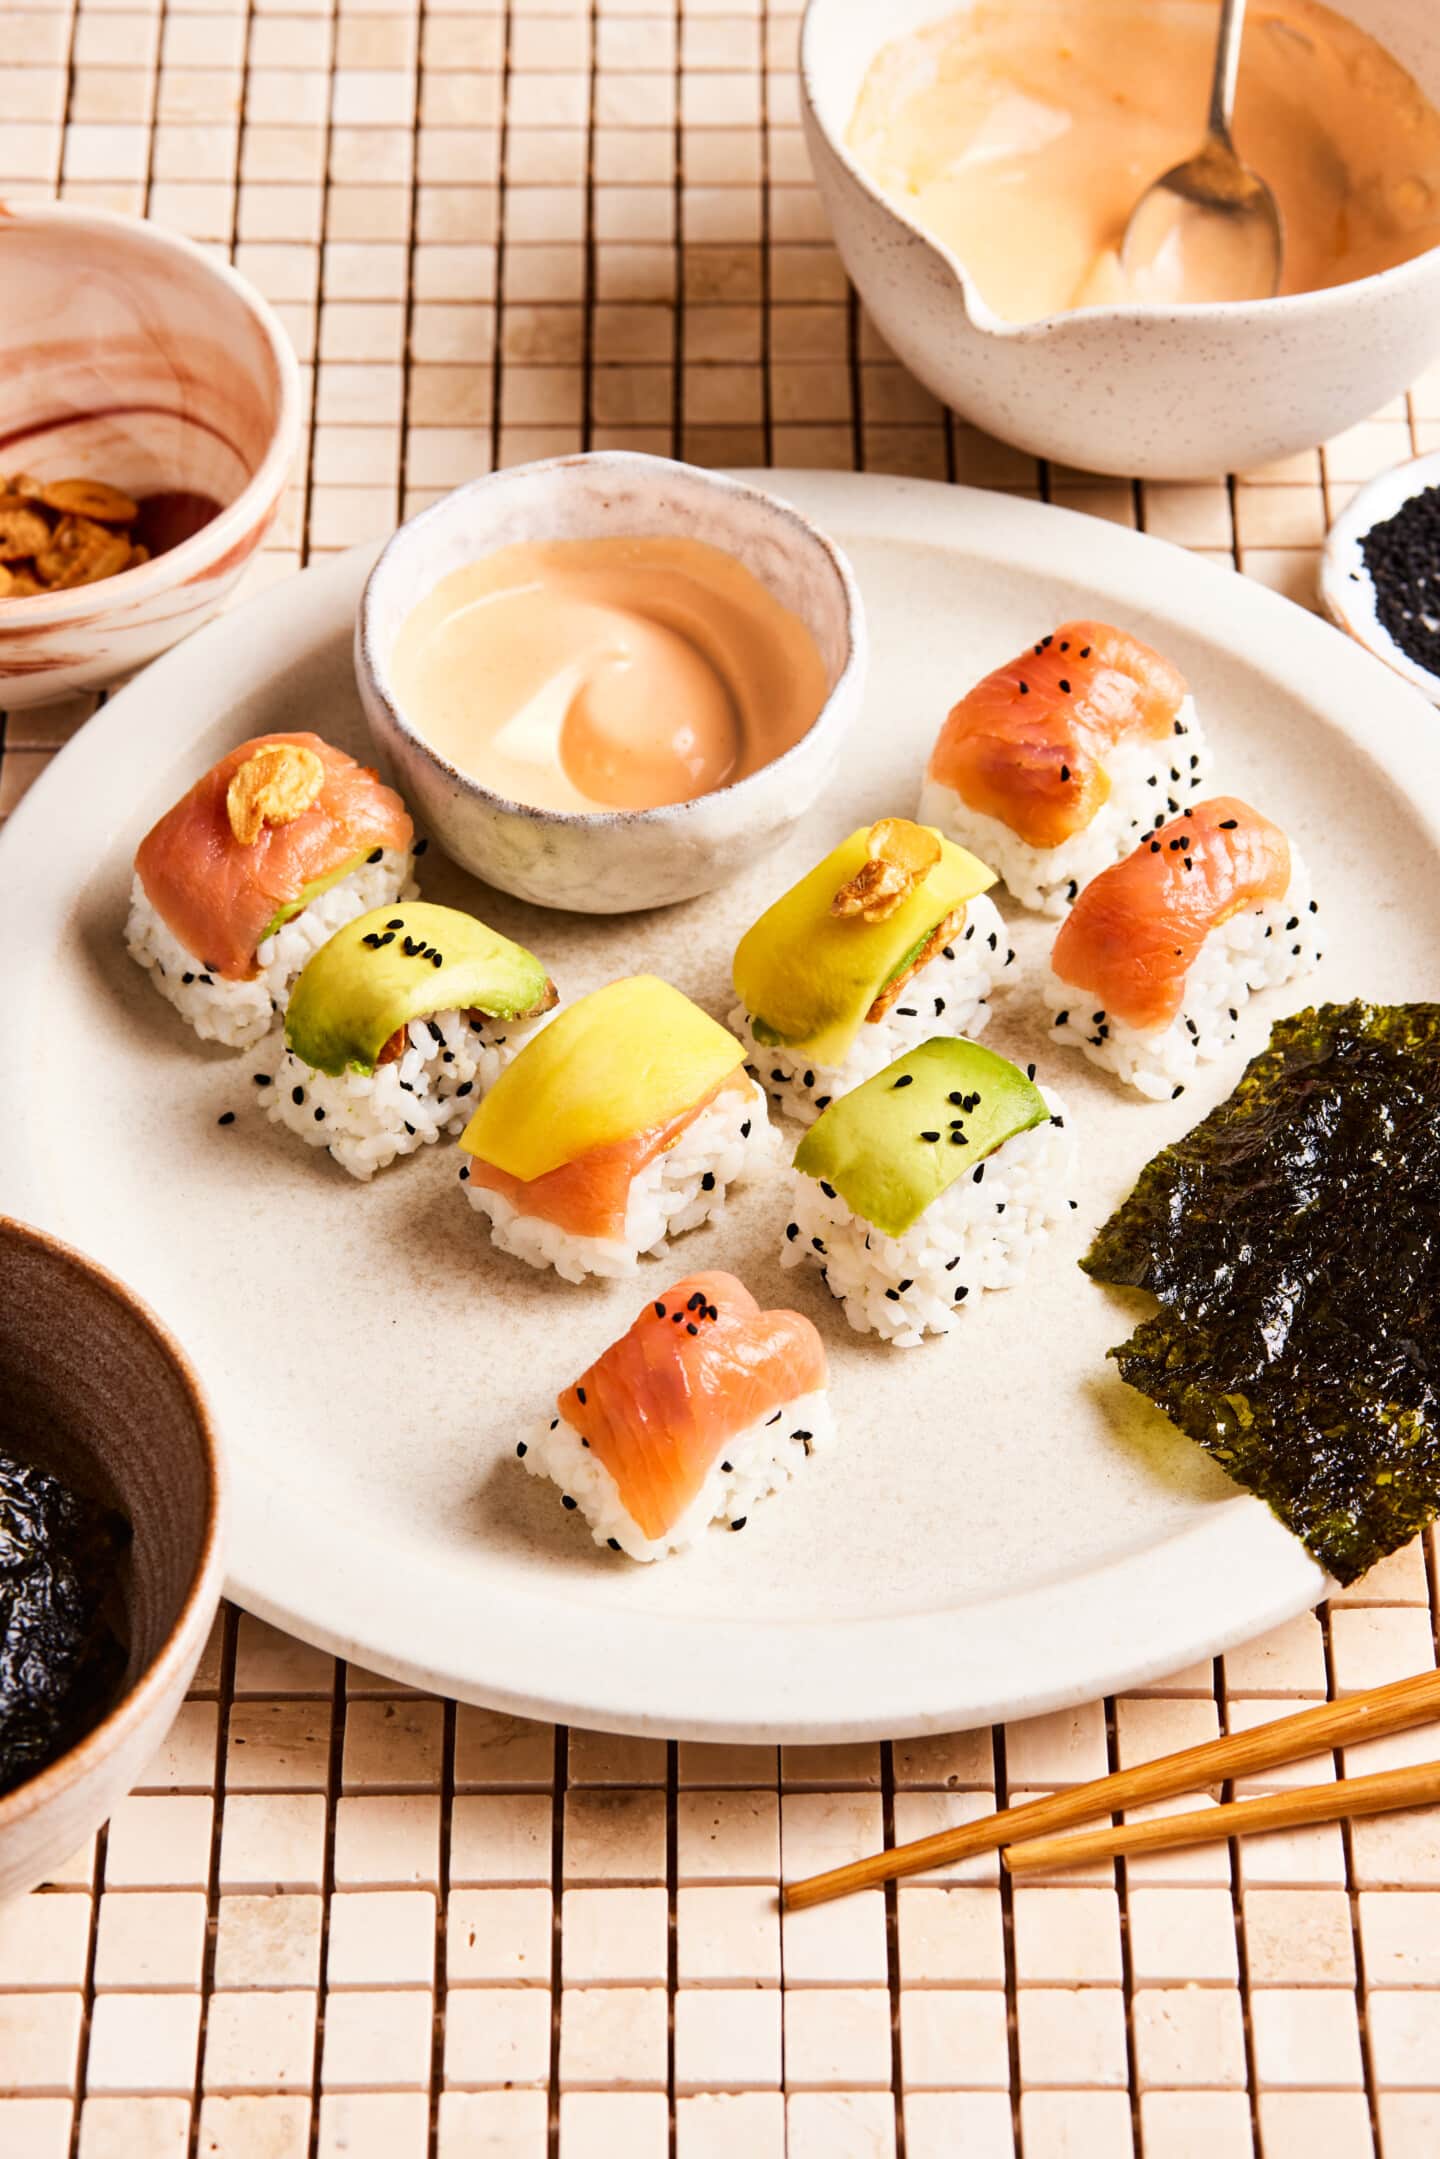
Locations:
column 1380, row 571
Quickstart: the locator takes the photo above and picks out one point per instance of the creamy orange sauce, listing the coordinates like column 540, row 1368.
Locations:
column 607, row 674
column 1021, row 133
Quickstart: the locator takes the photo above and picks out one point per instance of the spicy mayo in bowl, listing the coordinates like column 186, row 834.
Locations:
column 610, row 682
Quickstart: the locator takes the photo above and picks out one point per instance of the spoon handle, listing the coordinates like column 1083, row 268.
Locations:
column 1227, row 67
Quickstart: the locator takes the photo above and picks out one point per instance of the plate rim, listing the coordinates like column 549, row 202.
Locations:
column 923, row 1672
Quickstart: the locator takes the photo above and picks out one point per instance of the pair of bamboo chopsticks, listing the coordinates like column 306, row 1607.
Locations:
column 1027, row 1832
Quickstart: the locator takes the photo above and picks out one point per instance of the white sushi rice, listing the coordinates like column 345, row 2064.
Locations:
column 752, row 1464
column 240, row 1014
column 366, row 1119
column 949, row 996
column 980, row 1234
column 683, row 1187
column 1150, row 782
column 1256, row 950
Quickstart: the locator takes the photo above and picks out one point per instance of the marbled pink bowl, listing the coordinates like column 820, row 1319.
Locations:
column 129, row 355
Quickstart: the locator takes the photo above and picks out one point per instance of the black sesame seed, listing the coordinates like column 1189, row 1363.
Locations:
column 951, row 1265
column 908, row 1012
column 1064, row 647
column 409, row 1127
column 994, row 942
column 378, row 852
column 893, row 1295
column 580, row 1396
column 372, row 940
column 1064, row 685
column 808, row 1079
column 567, row 1502
column 1084, row 652
column 437, row 959
column 776, row 1418
column 961, row 1293
column 740, row 1521
column 297, row 1096
column 614, row 1543
column 827, row 1189
column 822, row 1101
column 817, row 1245
column 745, row 1129
column 1024, row 689
column 707, row 1182
column 939, row 1006
column 226, row 1117
column 778, row 1076
column 1072, row 888
column 397, row 924
column 1061, row 1018
column 792, row 1231
column 1230, row 824
column 1314, row 907
column 978, row 1172
column 697, row 1302
column 728, row 1468
column 207, row 978
column 677, row 1319
column 1058, row 1121
column 420, row 846
column 949, row 952
column 522, row 1449
column 906, row 1079
column 1175, row 1096
column 261, row 1079
column 908, row 1283
column 320, row 1118
column 187, row 980
column 1293, row 923
column 1295, row 951
column 465, row 1087
column 1030, row 1072
column 929, row 1136
column 690, row 1327
column 659, row 1309
column 465, row 1174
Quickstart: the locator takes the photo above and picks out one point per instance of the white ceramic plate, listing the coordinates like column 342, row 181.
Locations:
column 1005, row 1528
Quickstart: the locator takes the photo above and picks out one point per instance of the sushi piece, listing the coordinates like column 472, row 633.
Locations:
column 886, row 942
column 396, row 1027
column 273, row 850
column 934, row 1181
column 1055, row 764
column 1157, row 956
column 700, row 1411
column 621, row 1124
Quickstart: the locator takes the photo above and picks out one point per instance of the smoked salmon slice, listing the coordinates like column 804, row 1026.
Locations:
column 218, row 896
column 702, row 1364
column 590, row 1196
column 1030, row 744
column 1133, row 934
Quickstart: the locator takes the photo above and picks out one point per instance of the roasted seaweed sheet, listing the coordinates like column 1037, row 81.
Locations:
column 1293, row 1239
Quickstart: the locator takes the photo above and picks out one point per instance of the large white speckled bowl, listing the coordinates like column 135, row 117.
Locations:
column 613, row 861
column 128, row 354
column 1177, row 393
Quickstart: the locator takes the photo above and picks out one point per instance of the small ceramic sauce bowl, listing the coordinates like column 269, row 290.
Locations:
column 1347, row 590
column 97, row 1392
column 1147, row 391
column 128, row 355
column 613, row 861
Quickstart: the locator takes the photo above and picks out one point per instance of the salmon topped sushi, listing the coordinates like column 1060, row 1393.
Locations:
column 1053, row 766
column 890, row 939
column 270, row 852
column 701, row 1410
column 1153, row 963
column 620, row 1124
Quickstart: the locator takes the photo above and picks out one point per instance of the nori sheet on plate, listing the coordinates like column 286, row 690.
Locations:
column 1293, row 1239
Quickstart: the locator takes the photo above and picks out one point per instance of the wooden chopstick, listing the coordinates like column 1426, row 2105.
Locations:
column 1238, row 1754
column 1340, row 1801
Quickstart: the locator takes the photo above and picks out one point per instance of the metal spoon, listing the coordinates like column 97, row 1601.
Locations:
column 1209, row 228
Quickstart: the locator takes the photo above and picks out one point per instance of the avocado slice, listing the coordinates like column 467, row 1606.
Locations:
column 808, row 977
column 896, row 1142
column 401, row 963
column 307, row 893
column 620, row 1061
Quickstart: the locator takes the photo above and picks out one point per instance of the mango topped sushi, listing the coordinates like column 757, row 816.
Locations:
column 935, row 1180
column 1055, row 763
column 396, row 1027
column 620, row 1124
column 704, row 1407
column 889, row 940
column 1152, row 966
column 271, row 851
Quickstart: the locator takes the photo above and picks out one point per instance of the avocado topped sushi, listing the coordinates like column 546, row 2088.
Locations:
column 394, row 1029
column 933, row 1181
column 1055, row 763
column 888, row 941
column 622, row 1123
column 704, row 1407
column 271, row 851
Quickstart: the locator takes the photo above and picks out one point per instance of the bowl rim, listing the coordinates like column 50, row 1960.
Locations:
column 1296, row 306
column 266, row 482
column 374, row 675
column 89, row 1755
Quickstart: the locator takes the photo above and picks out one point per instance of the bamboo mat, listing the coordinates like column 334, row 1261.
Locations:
column 340, row 1918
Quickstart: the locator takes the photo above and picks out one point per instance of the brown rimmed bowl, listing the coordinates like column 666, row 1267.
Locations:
column 94, row 1388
